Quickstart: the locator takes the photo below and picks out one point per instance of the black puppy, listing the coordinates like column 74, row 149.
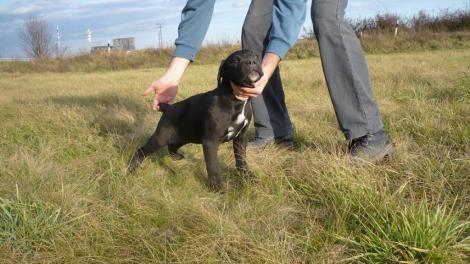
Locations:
column 209, row 118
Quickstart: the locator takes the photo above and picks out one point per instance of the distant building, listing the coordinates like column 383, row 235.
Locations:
column 124, row 44
column 106, row 48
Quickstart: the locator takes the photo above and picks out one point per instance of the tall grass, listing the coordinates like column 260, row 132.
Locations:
column 384, row 228
column 444, row 21
column 390, row 233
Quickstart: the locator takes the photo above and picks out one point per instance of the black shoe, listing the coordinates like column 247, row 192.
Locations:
column 285, row 142
column 372, row 148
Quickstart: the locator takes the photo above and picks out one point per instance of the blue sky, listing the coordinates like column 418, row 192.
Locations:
column 110, row 19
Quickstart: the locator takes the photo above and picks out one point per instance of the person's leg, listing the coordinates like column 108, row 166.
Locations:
column 345, row 70
column 271, row 118
column 348, row 81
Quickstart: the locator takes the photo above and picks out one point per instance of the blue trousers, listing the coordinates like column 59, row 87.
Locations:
column 344, row 66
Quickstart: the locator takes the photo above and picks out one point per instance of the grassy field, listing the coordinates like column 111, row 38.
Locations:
column 65, row 140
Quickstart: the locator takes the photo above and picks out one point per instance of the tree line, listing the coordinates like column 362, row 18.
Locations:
column 384, row 23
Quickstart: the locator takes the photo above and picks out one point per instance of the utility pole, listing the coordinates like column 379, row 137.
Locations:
column 160, row 35
column 58, row 41
column 90, row 40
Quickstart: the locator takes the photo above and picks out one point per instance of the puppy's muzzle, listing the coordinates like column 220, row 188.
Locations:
column 255, row 76
column 252, row 77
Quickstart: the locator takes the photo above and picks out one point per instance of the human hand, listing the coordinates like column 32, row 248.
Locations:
column 269, row 64
column 165, row 90
column 245, row 93
column 166, row 87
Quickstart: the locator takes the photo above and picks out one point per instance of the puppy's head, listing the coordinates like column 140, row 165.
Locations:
column 242, row 67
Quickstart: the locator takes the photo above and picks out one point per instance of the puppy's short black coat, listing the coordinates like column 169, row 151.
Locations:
column 209, row 118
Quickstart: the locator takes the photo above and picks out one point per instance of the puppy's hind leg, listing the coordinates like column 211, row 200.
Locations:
column 157, row 141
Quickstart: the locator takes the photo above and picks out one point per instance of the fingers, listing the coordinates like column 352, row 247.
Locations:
column 245, row 93
column 237, row 92
column 242, row 97
column 250, row 91
column 239, row 95
column 163, row 92
column 149, row 90
column 155, row 103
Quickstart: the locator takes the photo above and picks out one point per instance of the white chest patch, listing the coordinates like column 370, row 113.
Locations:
column 239, row 124
column 240, row 118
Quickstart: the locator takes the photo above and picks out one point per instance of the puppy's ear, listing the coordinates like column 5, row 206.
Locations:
column 220, row 75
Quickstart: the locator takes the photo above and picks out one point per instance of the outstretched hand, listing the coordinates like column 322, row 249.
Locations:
column 166, row 87
column 165, row 91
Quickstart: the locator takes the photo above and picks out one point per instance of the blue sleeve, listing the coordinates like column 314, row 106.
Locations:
column 195, row 19
column 288, row 18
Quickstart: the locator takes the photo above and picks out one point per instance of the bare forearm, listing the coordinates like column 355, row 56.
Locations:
column 269, row 64
column 176, row 69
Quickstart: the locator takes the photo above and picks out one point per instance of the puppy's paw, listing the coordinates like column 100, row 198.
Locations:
column 134, row 164
column 215, row 185
column 249, row 175
column 131, row 168
column 176, row 156
column 245, row 172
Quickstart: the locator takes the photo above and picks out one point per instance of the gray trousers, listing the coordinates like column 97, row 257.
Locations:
column 344, row 67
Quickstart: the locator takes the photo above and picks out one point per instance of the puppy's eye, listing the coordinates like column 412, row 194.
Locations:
column 238, row 59
column 256, row 57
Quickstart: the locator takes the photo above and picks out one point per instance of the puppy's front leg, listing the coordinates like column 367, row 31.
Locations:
column 239, row 150
column 210, row 149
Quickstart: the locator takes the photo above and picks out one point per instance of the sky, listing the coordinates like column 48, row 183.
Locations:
column 109, row 19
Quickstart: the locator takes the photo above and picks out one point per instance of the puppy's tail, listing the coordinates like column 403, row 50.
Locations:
column 162, row 107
